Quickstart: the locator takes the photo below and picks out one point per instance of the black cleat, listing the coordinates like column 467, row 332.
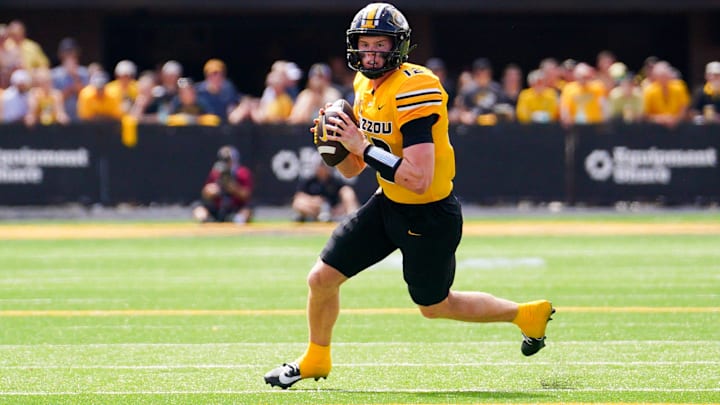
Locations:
column 531, row 345
column 284, row 376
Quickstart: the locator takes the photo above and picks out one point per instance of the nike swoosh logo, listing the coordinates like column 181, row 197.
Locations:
column 411, row 233
column 288, row 380
column 380, row 107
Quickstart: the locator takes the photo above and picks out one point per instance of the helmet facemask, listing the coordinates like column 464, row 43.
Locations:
column 378, row 19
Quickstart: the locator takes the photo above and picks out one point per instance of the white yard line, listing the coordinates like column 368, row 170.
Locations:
column 134, row 254
column 358, row 391
column 703, row 343
column 365, row 365
column 286, row 312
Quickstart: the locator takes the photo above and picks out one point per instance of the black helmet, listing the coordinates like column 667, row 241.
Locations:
column 379, row 19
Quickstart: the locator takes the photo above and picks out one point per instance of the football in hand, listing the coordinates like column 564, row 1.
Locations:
column 332, row 152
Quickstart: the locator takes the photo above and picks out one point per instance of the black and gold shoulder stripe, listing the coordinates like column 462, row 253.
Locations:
column 418, row 98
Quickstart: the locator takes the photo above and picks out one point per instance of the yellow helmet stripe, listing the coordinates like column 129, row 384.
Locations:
column 370, row 17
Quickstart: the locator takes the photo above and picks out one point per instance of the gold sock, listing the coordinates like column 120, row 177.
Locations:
column 316, row 362
column 532, row 318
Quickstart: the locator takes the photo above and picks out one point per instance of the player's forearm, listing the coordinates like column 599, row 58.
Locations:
column 415, row 173
column 416, row 178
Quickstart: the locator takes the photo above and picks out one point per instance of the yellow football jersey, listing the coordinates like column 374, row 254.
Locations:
column 410, row 93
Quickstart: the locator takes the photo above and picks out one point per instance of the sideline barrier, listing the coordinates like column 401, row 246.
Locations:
column 87, row 163
column 53, row 165
column 645, row 163
column 510, row 162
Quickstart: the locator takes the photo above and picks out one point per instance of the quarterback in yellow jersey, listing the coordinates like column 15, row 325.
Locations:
column 402, row 134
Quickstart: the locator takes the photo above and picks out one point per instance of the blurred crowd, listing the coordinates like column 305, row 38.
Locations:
column 575, row 92
column 569, row 92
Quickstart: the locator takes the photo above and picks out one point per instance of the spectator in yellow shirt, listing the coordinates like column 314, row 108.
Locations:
column 667, row 98
column 124, row 86
column 277, row 107
column 31, row 54
column 538, row 103
column 583, row 100
column 45, row 103
column 95, row 103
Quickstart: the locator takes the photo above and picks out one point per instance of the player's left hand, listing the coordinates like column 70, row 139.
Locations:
column 316, row 120
column 347, row 133
column 321, row 112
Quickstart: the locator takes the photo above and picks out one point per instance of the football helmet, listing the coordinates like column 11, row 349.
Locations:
column 379, row 19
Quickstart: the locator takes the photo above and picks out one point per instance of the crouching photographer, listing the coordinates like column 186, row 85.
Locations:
column 227, row 190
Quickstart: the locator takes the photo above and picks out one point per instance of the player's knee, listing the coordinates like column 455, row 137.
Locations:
column 432, row 302
column 324, row 277
column 434, row 311
column 430, row 312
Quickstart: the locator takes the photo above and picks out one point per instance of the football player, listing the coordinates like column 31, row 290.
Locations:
column 403, row 135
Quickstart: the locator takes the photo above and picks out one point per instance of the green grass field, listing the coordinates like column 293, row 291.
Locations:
column 201, row 319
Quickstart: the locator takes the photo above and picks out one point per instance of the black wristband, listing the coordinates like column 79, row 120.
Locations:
column 383, row 161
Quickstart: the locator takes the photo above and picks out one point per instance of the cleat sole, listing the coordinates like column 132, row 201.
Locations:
column 532, row 346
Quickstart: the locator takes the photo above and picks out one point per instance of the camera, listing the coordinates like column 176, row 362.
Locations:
column 225, row 169
column 227, row 158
